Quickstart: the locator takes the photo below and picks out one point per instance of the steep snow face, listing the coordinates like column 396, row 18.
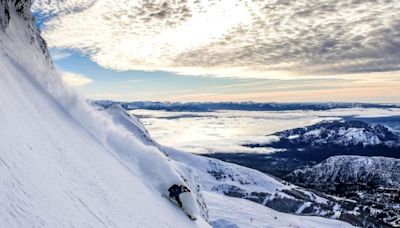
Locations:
column 62, row 163
column 122, row 118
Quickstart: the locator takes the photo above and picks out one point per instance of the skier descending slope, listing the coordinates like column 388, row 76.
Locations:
column 172, row 185
column 182, row 196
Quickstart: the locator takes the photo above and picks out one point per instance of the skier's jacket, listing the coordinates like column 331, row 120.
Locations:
column 174, row 192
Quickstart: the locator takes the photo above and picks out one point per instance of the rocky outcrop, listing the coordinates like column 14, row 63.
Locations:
column 350, row 173
column 372, row 182
column 20, row 9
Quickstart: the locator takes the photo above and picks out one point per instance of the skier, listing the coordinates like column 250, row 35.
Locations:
column 181, row 195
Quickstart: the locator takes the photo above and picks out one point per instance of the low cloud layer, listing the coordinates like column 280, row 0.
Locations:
column 226, row 131
column 247, row 38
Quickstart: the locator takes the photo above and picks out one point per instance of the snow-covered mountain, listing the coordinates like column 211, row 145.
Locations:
column 343, row 133
column 369, row 172
column 65, row 164
column 374, row 182
column 339, row 137
column 306, row 146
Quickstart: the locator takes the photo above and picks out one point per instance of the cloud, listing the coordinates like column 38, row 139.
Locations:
column 58, row 54
column 74, row 79
column 240, row 38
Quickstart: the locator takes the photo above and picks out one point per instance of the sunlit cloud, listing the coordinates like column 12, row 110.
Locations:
column 74, row 79
column 246, row 39
column 365, row 87
column 58, row 54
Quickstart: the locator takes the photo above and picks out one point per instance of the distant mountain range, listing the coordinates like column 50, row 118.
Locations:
column 248, row 106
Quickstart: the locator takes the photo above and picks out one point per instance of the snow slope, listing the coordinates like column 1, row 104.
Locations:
column 229, row 212
column 62, row 163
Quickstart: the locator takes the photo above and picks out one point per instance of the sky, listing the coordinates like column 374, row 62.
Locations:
column 226, row 50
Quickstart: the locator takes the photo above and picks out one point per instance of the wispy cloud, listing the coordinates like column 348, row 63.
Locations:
column 74, row 79
column 58, row 54
column 248, row 38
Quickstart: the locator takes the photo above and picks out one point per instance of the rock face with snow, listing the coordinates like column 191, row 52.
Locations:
column 21, row 8
column 368, row 172
column 373, row 182
column 342, row 133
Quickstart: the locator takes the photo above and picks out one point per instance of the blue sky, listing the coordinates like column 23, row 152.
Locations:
column 132, row 85
column 146, row 85
column 226, row 50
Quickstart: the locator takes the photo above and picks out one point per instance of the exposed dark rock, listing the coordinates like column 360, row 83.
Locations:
column 372, row 182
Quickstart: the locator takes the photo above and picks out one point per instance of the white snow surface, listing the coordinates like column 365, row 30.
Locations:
column 228, row 212
column 64, row 164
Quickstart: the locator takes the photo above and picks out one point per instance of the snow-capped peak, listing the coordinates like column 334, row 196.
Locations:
column 343, row 133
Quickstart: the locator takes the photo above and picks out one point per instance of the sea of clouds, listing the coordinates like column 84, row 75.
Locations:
column 226, row 131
